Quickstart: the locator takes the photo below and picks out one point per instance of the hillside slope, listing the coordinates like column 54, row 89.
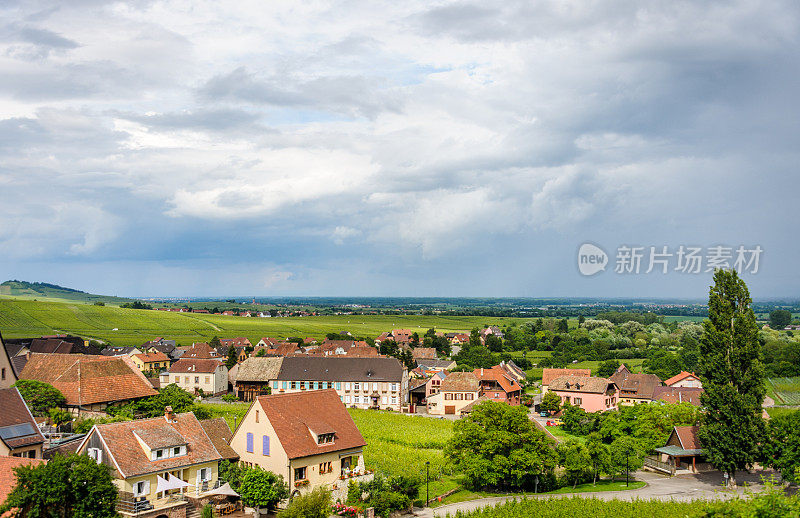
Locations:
column 54, row 292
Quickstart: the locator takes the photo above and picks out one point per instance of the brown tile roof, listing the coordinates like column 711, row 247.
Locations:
column 339, row 368
column 192, row 365
column 269, row 341
column 689, row 395
column 131, row 458
column 236, row 342
column 293, row 415
column 200, row 350
column 688, row 437
column 471, row 406
column 284, row 349
column 88, row 379
column 363, row 352
column 497, row 374
column 549, row 375
column 679, row 377
column 164, row 437
column 153, row 357
column 424, row 353
column 587, row 384
column 460, row 382
column 8, row 479
column 220, row 435
column 13, row 420
column 635, row 385
column 259, row 369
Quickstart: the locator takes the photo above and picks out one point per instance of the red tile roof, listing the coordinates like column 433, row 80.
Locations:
column 220, row 434
column 679, row 377
column 688, row 437
column 585, row 384
column 8, row 479
column 635, row 385
column 192, row 365
column 424, row 353
column 497, row 374
column 460, row 382
column 15, row 412
column 131, row 458
column 689, row 395
column 293, row 415
column 548, row 375
column 200, row 350
column 85, row 379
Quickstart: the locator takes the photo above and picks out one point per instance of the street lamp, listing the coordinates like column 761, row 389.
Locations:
column 427, row 482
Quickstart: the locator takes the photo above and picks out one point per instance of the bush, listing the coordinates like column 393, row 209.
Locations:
column 230, row 398
column 208, row 511
column 316, row 504
column 262, row 489
column 40, row 396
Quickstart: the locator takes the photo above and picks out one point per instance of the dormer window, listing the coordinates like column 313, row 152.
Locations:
column 159, row 454
column 325, row 438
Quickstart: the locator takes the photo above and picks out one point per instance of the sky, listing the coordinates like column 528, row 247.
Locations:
column 199, row 148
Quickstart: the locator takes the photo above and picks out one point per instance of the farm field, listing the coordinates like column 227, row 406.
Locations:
column 25, row 318
column 786, row 391
column 576, row 506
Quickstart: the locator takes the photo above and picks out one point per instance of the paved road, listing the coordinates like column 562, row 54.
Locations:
column 705, row 486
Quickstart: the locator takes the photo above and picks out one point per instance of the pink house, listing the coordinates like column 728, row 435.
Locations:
column 590, row 393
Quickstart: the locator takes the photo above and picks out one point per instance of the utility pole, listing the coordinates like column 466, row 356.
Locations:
column 427, row 483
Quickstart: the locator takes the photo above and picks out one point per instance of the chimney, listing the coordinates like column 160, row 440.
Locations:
column 169, row 415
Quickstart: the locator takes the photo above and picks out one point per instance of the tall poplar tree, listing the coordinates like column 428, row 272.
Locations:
column 732, row 376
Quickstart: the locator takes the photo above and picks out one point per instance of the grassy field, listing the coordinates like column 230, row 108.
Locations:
column 232, row 412
column 785, row 391
column 118, row 326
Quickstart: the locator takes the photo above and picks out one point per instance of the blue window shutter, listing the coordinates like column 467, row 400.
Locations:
column 249, row 442
column 265, row 445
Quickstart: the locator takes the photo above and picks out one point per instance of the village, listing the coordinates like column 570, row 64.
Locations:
column 61, row 395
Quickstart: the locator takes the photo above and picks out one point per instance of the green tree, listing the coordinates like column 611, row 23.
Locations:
column 573, row 418
column 214, row 342
column 625, row 455
column 782, row 448
column 233, row 357
column 732, row 376
column 494, row 344
column 73, row 486
column 574, row 458
column 262, row 489
column 780, row 318
column 607, row 368
column 563, row 326
column 599, row 455
column 40, row 396
column 59, row 417
column 551, row 402
column 316, row 504
column 497, row 445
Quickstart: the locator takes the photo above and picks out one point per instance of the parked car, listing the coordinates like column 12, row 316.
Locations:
column 544, row 413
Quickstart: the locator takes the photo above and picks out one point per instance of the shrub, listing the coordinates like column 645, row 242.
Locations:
column 40, row 396
column 316, row 504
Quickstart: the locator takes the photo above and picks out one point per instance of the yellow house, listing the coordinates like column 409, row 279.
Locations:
column 153, row 361
column 458, row 390
column 159, row 465
column 307, row 437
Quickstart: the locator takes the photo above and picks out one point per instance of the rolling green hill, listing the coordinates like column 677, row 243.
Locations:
column 54, row 292
column 25, row 318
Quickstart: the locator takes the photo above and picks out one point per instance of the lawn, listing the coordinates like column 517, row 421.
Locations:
column 578, row 507
column 232, row 412
column 561, row 435
column 119, row 326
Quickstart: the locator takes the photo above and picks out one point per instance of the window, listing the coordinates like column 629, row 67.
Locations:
column 94, row 453
column 316, row 385
column 459, row 396
column 3, row 373
column 159, row 454
column 265, row 445
column 325, row 438
column 356, row 399
column 177, row 379
column 256, row 416
column 578, row 400
column 448, row 396
column 356, row 386
column 141, row 488
column 324, row 385
column 308, row 385
column 283, row 385
column 300, row 473
column 186, row 379
column 249, row 442
column 275, row 385
column 394, row 400
column 338, row 385
column 204, row 475
column 325, row 467
column 394, row 386
column 197, row 379
column 384, row 400
column 347, row 399
column 176, row 450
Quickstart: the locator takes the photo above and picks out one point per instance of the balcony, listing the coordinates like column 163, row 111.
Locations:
column 130, row 505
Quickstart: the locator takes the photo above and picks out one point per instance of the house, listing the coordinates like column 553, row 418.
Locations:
column 198, row 374
column 634, row 388
column 307, row 437
column 682, row 452
column 588, row 392
column 229, row 313
column 491, row 330
column 513, row 370
column 63, row 344
column 159, row 465
column 684, row 379
column 496, row 385
column 360, row 382
column 457, row 390
column 8, row 478
column 200, row 350
column 457, row 338
column 689, row 395
column 121, row 351
column 431, row 367
column 235, row 342
column 420, row 389
column 363, row 352
column 89, row 382
column 548, row 375
column 267, row 342
column 161, row 345
column 19, row 434
column 339, row 347
column 424, row 353
column 154, row 361
column 8, row 375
